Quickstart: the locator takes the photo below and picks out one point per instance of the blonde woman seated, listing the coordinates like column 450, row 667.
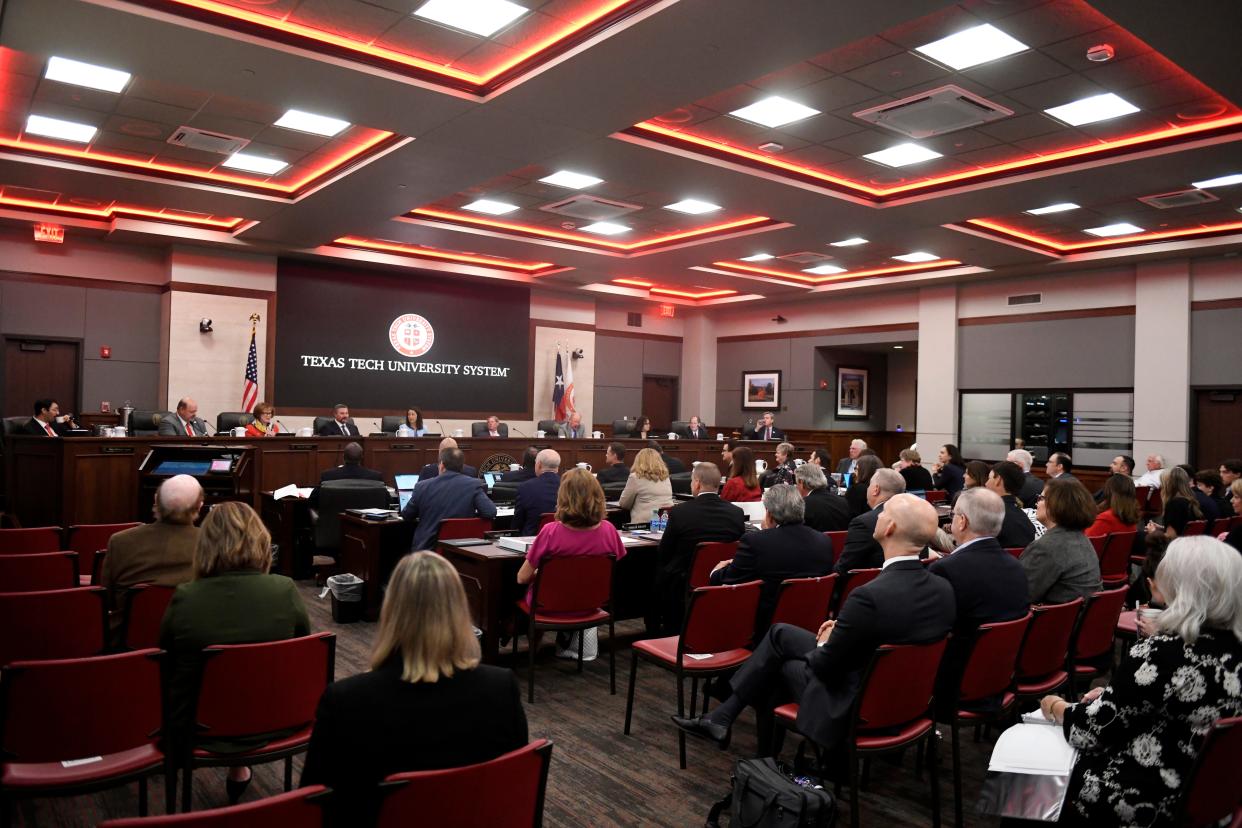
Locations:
column 426, row 703
column 648, row 487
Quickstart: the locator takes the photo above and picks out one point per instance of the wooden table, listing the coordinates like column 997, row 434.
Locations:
column 288, row 519
column 370, row 549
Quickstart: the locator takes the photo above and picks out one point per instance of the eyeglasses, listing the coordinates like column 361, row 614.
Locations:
column 1039, row 498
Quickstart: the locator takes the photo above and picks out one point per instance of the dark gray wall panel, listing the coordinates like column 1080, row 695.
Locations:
column 613, row 403
column 823, row 404
column 618, row 361
column 42, row 310
column 117, row 381
column 1215, row 347
column 732, row 358
column 1096, row 352
column 126, row 321
column 661, row 358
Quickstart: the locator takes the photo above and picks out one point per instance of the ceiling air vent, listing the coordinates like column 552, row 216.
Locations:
column 1181, row 198
column 634, row 320
column 199, row 139
column 805, row 258
column 942, row 110
column 590, row 208
column 1026, row 299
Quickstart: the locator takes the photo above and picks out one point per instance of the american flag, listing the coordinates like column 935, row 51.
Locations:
column 250, row 390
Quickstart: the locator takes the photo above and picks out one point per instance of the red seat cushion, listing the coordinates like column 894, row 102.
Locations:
column 906, row 734
column 787, row 712
column 294, row 740
column 585, row 617
column 1127, row 622
column 36, row 775
column 971, row 715
column 665, row 650
column 1044, row 684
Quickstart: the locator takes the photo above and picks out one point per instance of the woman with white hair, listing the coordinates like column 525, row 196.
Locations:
column 1138, row 737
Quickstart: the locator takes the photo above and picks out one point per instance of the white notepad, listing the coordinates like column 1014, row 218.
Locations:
column 1033, row 748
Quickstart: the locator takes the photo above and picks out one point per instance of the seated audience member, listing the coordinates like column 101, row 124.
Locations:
column 706, row 518
column 1031, row 485
column 494, row 428
column 673, row 465
column 1230, row 470
column 1234, row 537
column 1121, row 464
column 904, row 605
column 782, row 470
column 743, row 483
column 695, row 430
column 1138, row 737
column 159, row 553
column 1155, row 470
column 1059, row 466
column 231, row 600
column 184, row 422
column 450, row 494
column 426, row 703
column 432, row 469
column 573, row 428
column 615, row 471
column 1209, row 491
column 642, row 427
column 976, row 474
column 48, row 421
column 847, row 464
column 862, row 548
column 911, row 468
column 1061, row 565
column 1121, row 510
column 726, row 453
column 537, row 496
column 1180, row 506
column 785, row 548
column 414, row 421
column 1144, row 592
column 766, row 429
column 821, row 458
column 524, row 472
column 856, row 494
column 351, row 469
column 825, row 511
column 264, row 423
column 341, row 425
column 949, row 469
column 988, row 583
column 648, row 488
column 1017, row 532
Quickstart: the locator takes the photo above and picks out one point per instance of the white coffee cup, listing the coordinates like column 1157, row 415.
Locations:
column 597, row 434
column 586, row 466
column 761, row 466
column 119, row 431
column 240, row 431
column 1150, row 613
column 457, row 432
column 304, row 431
column 514, row 466
column 719, row 436
column 799, row 462
column 541, row 433
column 672, row 435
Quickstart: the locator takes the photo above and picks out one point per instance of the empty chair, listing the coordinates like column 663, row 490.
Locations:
column 226, row 421
column 1042, row 662
column 296, row 809
column 1115, row 558
column 458, row 528
column 89, row 538
column 46, row 570
column 804, row 602
column 335, row 496
column 548, row 427
column 145, row 605
column 52, row 624
column 507, row 792
column 144, row 423
column 1091, row 649
column 936, row 495
column 27, row 541
column 624, row 428
column 706, row 556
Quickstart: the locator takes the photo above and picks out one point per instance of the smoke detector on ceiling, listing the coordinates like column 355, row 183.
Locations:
column 1180, row 198
column 590, row 208
column 201, row 139
column 927, row 114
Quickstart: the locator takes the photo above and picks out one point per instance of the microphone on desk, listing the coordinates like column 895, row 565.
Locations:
column 377, row 426
column 519, row 431
column 208, row 425
column 442, row 431
column 283, row 427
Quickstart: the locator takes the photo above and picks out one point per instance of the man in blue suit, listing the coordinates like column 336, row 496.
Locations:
column 450, row 494
column 538, row 496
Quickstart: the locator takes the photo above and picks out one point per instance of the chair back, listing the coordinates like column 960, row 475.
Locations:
column 1196, row 527
column 548, row 427
column 391, row 423
column 335, row 496
column 1234, row 522
column 1155, row 503
column 804, row 602
column 1094, row 637
column 1142, row 494
column 706, row 556
column 260, row 688
column 478, row 429
column 144, row 612
column 579, row 583
column 1016, row 551
column 88, row 538
column 837, row 536
column 146, row 423
column 624, row 427
column 458, row 528
column 899, row 684
column 12, row 425
column 936, row 495
column 295, row 809
column 31, row 573
column 514, row 783
column 228, row 420
column 993, row 659
column 720, row 618
column 853, row 580
column 320, row 422
column 1213, row 792
column 1046, row 645
column 681, row 428
column 58, row 623
column 1098, row 542
column 1115, row 557
column 29, row 541
column 546, row 518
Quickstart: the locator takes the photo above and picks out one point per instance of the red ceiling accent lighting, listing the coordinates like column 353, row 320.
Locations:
column 524, row 56
column 420, row 252
column 588, row 240
column 51, row 233
column 939, row 264
column 1116, row 241
column 633, row 283
column 116, row 210
column 668, row 311
column 685, row 294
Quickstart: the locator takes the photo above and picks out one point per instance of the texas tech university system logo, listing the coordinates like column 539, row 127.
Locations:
column 411, row 335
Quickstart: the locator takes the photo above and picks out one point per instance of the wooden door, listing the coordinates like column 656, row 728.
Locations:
column 660, row 401
column 39, row 368
column 1217, row 414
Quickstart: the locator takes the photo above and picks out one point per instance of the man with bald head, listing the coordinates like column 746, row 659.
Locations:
column 904, row 605
column 432, row 469
column 537, row 496
column 184, row 422
column 159, row 552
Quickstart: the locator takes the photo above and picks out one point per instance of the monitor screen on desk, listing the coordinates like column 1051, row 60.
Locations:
column 491, row 479
column 191, row 467
column 405, row 482
column 403, row 497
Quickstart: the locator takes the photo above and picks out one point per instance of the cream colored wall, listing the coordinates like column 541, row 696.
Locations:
column 1106, row 288
column 811, row 313
column 210, row 367
column 1216, row 279
column 545, row 369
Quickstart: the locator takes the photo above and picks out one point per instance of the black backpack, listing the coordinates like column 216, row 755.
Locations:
column 767, row 794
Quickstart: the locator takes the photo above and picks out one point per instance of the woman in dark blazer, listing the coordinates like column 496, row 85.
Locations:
column 427, row 702
column 856, row 494
column 950, row 469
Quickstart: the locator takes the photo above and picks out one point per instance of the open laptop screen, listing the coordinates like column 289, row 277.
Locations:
column 405, row 481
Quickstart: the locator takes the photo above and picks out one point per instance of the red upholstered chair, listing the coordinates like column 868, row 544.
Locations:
column 989, row 672
column 546, row 518
column 45, row 570
column 893, row 711
column 53, row 624
column 1234, row 523
column 1045, row 651
column 89, row 538
column 838, row 540
column 719, row 623
column 144, row 612
column 1016, row 551
column 1143, row 495
column 804, row 602
column 1091, row 649
column 296, row 809
column 1115, row 558
column 706, row 556
column 936, row 495
column 1213, row 793
column 1196, row 527
column 44, row 726
column 853, row 580
column 259, row 688
column 506, row 792
column 28, row 541
column 1097, row 543
column 457, row 528
column 570, row 593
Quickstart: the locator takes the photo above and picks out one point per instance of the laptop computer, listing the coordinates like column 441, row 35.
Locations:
column 490, row 479
column 405, row 488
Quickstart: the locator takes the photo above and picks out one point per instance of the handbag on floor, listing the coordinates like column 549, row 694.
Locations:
column 767, row 794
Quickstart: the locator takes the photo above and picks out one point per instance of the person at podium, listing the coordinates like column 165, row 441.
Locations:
column 48, row 421
column 264, row 423
column 185, row 422
column 340, row 425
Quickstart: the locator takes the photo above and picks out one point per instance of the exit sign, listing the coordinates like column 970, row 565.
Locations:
column 668, row 311
column 52, row 233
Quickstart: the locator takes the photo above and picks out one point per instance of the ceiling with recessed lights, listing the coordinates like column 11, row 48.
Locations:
column 696, row 151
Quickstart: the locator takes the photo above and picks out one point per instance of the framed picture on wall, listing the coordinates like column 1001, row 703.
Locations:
column 761, row 390
column 852, row 393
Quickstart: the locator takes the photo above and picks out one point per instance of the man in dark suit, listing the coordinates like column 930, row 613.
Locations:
column 703, row 519
column 450, row 494
column 695, row 429
column 847, row 464
column 988, row 583
column 537, row 496
column 1017, row 531
column 351, row 469
column 826, row 511
column 823, row 673
column 526, row 472
column 673, row 465
column 862, row 546
column 341, row 425
column 432, row 469
column 185, row 422
column 617, row 471
column 766, row 429
column 785, row 548
column 47, row 420
column 492, row 428
column 1031, row 485
column 1059, row 466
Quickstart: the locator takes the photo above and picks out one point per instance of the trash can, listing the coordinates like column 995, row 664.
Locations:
column 346, row 592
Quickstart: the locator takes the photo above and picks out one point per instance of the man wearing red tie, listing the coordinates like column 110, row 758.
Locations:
column 766, row 429
column 185, row 422
column 47, row 421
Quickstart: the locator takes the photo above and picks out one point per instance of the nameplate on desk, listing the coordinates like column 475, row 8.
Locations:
column 303, row 446
column 404, row 446
column 117, row 449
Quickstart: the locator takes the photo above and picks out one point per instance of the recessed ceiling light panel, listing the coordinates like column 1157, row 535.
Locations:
column 480, row 17
column 774, row 112
column 314, row 124
column 1219, row 181
column 606, row 228
column 89, row 75
column 850, row 242
column 571, row 180
column 972, row 47
column 1120, row 229
column 758, row 257
column 1090, row 110
column 902, row 155
column 56, row 128
column 254, row 163
column 693, row 206
column 824, row 270
column 916, row 257
column 492, row 208
column 1053, row 208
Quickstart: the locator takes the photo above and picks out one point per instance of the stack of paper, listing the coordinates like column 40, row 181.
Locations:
column 1036, row 746
column 292, row 491
column 516, row 543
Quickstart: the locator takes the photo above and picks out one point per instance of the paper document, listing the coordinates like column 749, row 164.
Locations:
column 515, row 543
column 292, row 491
column 372, row 512
column 504, row 511
column 1033, row 749
column 629, row 541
